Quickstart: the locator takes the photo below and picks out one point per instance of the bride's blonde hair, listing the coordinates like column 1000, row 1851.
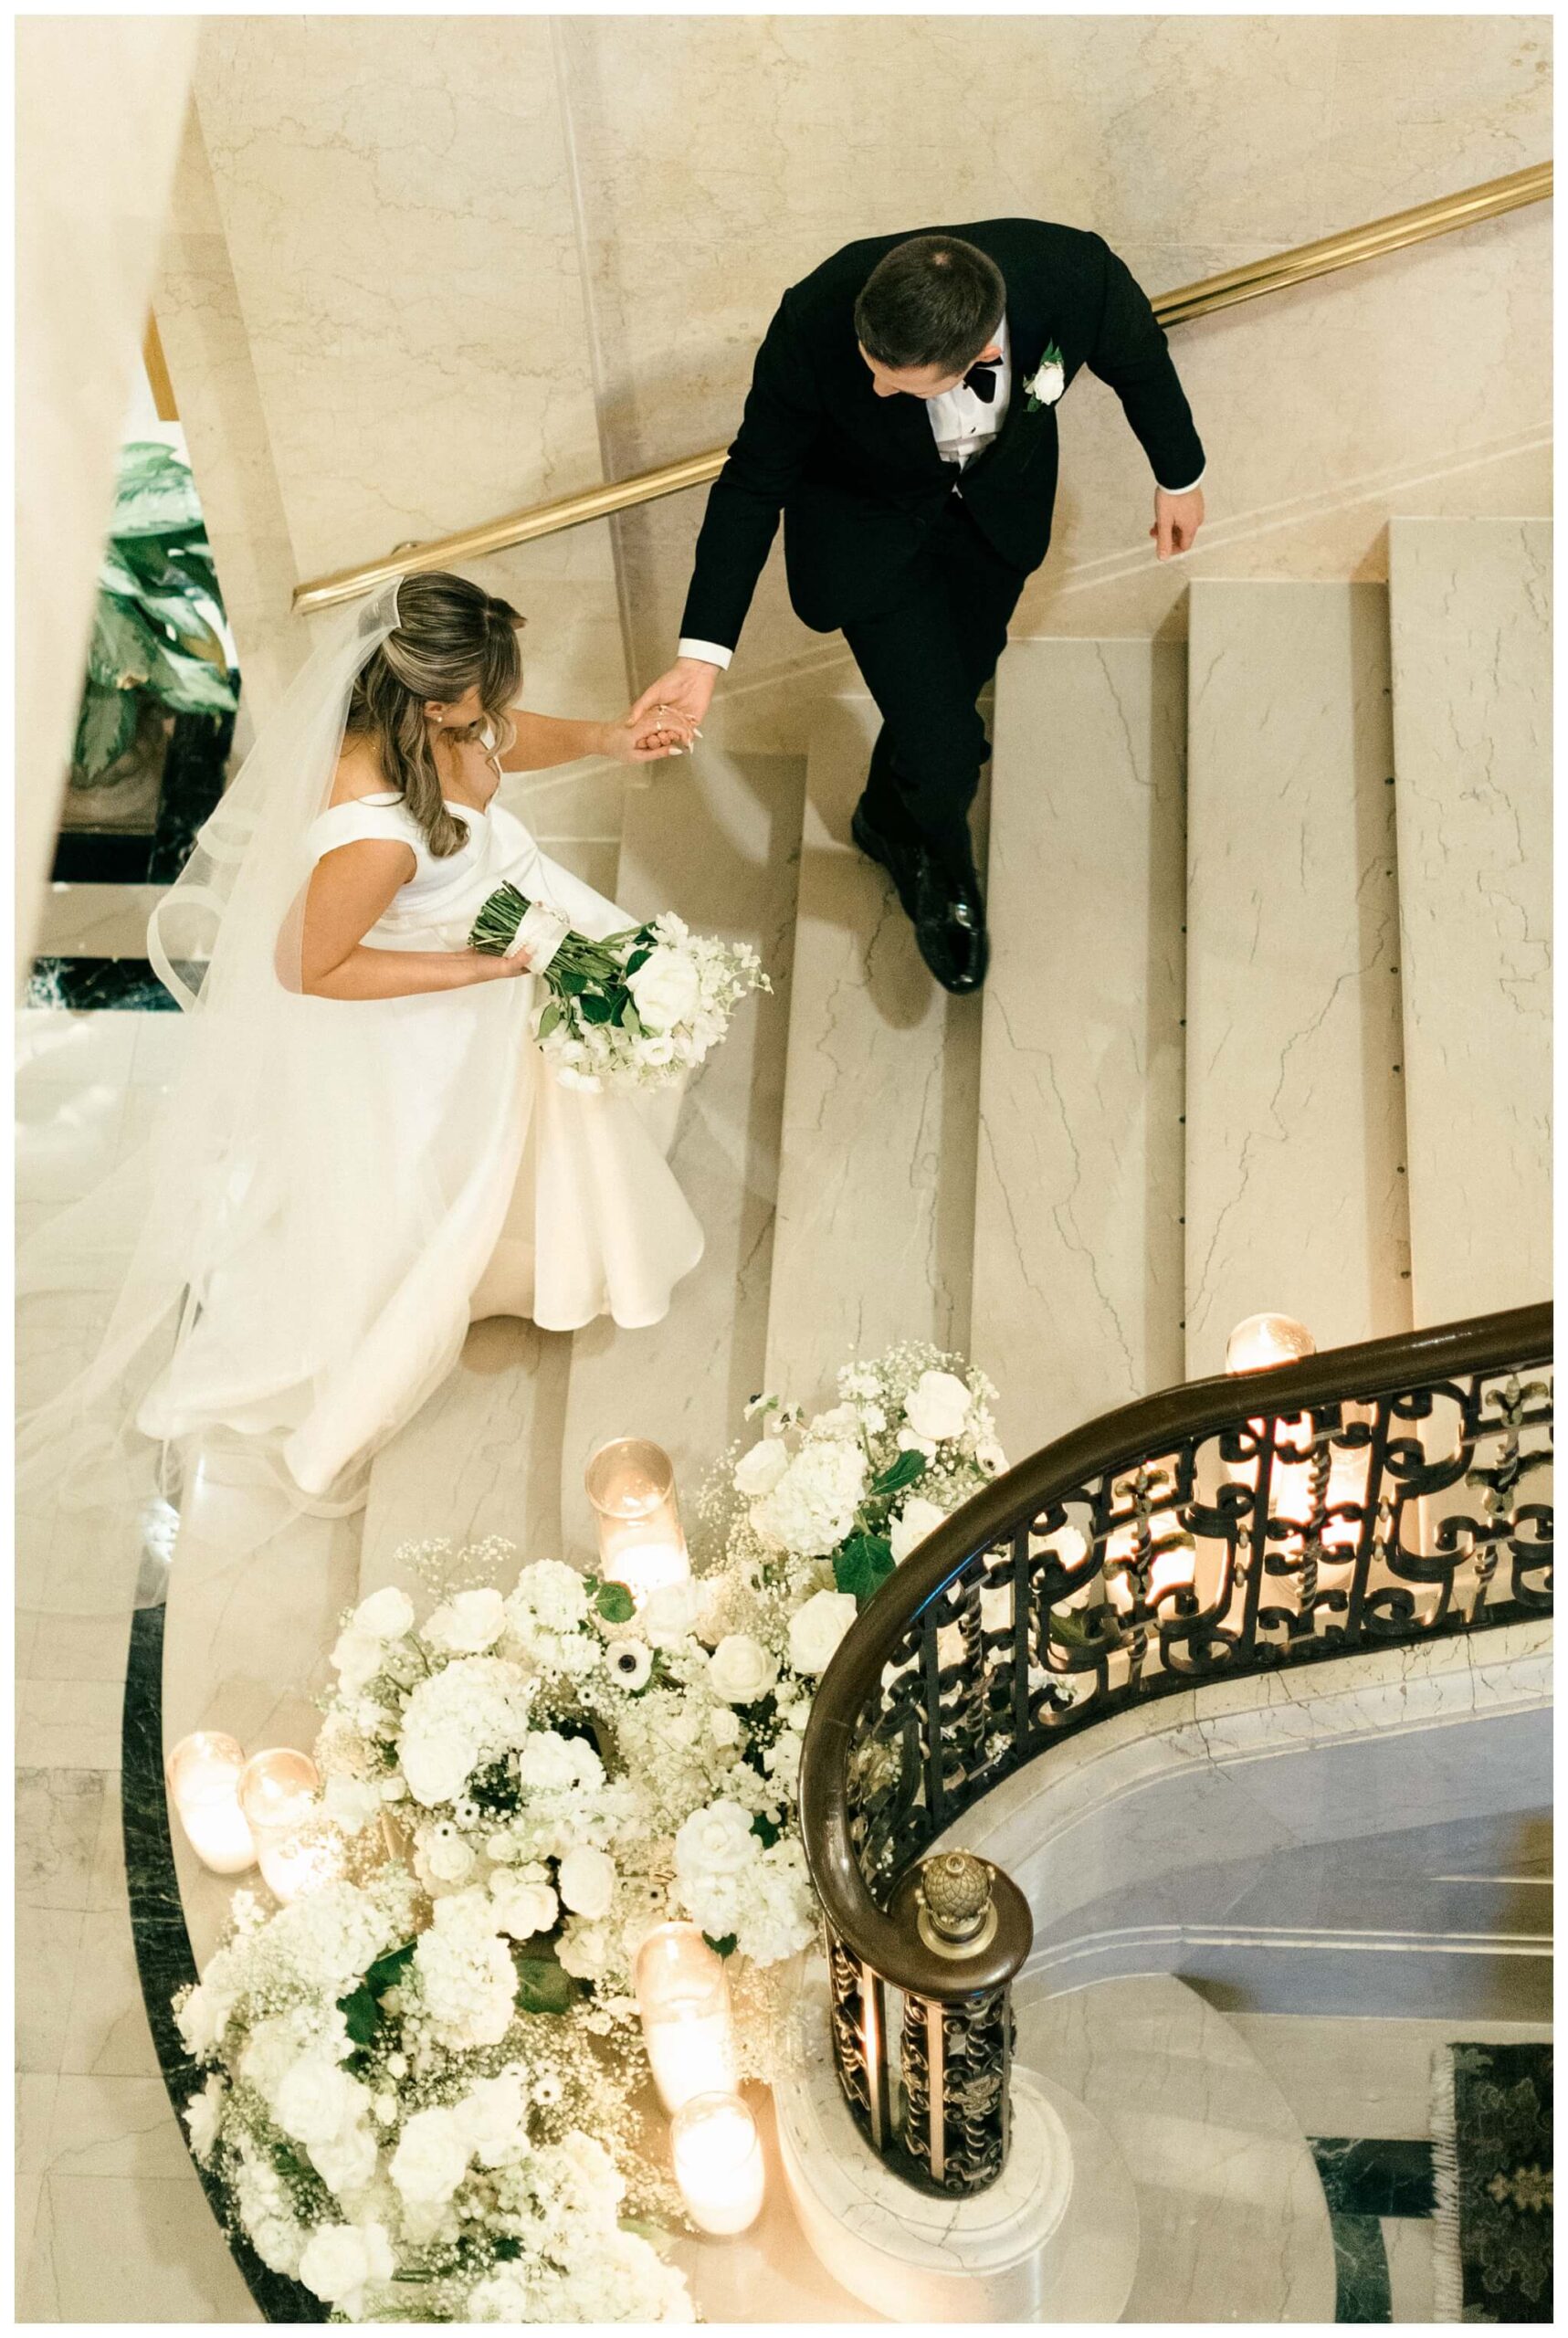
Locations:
column 450, row 638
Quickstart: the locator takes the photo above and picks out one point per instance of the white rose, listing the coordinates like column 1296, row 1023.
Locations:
column 448, row 1856
column 468, row 1623
column 816, row 1630
column 316, row 2101
column 347, row 2163
column 432, row 2156
column 715, row 1842
column 203, row 2117
column 670, row 1614
column 1048, row 383
column 759, row 1471
column 584, row 1950
column 917, row 1519
column 494, row 2113
column 352, row 1803
column 339, row 2260
column 436, row 1766
column 588, row 1882
column 629, row 1663
column 740, row 1670
column 585, row 1080
column 939, row 1407
column 724, row 1725
column 523, row 1909
column 384, row 1615
column 357, row 1657
column 665, row 989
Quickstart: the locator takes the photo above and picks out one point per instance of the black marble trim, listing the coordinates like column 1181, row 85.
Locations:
column 88, row 985
column 164, row 1961
column 1380, row 2176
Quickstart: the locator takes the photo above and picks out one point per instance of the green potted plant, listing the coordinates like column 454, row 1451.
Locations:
column 156, row 649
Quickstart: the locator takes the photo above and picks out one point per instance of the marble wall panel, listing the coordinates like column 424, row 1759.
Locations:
column 396, row 208
column 722, row 157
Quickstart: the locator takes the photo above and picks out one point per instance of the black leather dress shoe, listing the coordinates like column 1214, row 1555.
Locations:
column 950, row 927
column 900, row 856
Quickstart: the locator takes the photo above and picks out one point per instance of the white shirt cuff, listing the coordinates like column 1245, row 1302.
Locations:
column 1189, row 487
column 712, row 653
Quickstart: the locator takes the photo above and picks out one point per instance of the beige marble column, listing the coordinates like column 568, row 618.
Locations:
column 100, row 101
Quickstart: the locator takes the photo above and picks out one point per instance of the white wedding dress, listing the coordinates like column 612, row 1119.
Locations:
column 426, row 1169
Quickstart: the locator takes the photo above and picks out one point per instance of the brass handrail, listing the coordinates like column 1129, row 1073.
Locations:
column 1347, row 250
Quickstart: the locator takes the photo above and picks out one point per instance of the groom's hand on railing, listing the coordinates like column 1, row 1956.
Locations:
column 1177, row 519
column 684, row 693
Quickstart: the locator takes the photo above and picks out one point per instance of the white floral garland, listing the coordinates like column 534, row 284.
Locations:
column 426, row 2077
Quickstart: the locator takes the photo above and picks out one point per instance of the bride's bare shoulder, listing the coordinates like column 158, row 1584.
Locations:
column 359, row 773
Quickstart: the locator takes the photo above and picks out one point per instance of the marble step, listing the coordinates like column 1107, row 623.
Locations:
column 1078, row 1255
column 717, row 838
column 875, row 1195
column 1470, row 613
column 1295, row 1155
column 1233, row 2224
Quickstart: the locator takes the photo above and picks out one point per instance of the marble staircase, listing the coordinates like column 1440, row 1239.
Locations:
column 1266, row 1022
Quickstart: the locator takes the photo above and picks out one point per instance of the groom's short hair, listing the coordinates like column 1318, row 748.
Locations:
column 932, row 300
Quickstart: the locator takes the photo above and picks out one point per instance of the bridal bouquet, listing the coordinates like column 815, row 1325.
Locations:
column 635, row 1010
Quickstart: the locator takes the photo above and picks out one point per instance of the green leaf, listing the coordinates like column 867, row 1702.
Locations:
column 630, row 1019
column 724, row 1946
column 863, row 1564
column 156, row 494
column 506, row 2247
column 638, row 958
column 763, row 1827
column 564, row 979
column 543, row 1988
column 552, row 1019
column 362, row 2013
column 123, row 651
column 909, row 1467
column 596, row 1007
column 616, row 1603
column 105, row 728
column 388, row 1970
column 190, row 685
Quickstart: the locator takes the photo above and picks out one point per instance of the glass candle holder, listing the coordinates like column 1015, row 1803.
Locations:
column 1261, row 1342
column 203, row 1774
column 278, row 1794
column 683, row 1997
column 302, row 1859
column 717, row 2156
column 631, row 1485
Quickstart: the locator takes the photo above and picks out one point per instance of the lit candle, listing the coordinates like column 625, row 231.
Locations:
column 298, row 1848
column 1262, row 1344
column 203, row 1774
column 683, row 1996
column 718, row 2162
column 631, row 1485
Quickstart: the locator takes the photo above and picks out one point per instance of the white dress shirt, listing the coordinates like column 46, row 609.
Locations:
column 962, row 425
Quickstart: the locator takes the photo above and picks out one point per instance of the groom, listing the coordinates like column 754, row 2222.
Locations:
column 902, row 417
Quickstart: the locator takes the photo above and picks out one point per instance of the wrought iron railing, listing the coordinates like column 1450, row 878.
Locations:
column 1275, row 272
column 1389, row 1493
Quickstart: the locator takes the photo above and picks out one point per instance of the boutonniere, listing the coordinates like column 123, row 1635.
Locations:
column 1049, row 380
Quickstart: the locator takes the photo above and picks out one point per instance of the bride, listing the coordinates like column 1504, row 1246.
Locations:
column 363, row 1150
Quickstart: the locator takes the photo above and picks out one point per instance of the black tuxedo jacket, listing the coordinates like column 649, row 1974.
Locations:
column 858, row 479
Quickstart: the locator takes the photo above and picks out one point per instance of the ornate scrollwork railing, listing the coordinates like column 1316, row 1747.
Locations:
column 1394, row 1493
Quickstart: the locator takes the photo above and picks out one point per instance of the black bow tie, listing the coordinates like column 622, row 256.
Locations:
column 982, row 379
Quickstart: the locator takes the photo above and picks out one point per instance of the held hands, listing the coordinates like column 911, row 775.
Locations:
column 680, row 698
column 1177, row 519
column 647, row 734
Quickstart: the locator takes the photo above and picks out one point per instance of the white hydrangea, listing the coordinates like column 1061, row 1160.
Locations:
column 812, row 1508
column 466, row 1974
column 203, row 2117
column 432, row 2156
column 460, row 1720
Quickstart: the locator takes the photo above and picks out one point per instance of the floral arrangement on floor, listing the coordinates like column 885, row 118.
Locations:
column 635, row 1010
column 428, row 2088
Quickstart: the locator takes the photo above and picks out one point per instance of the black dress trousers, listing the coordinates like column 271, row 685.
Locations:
column 925, row 660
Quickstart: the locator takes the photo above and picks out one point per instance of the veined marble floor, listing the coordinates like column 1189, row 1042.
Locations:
column 99, row 2152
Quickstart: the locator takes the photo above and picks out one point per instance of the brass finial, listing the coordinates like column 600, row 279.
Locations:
column 957, row 1916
